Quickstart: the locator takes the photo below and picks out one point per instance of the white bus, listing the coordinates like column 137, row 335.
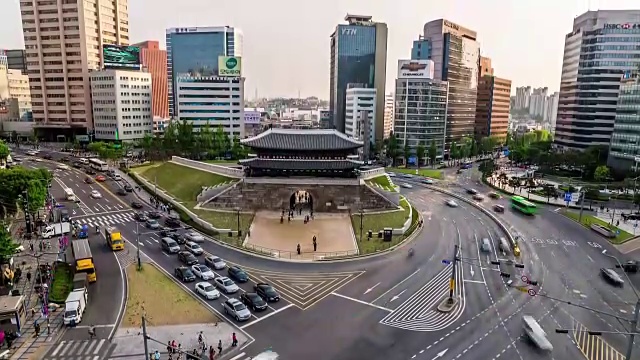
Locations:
column 536, row 334
column 69, row 195
column 98, row 165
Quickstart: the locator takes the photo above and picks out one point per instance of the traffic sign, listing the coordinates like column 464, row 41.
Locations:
column 452, row 284
column 524, row 279
column 531, row 292
column 575, row 197
column 567, row 197
column 446, row 262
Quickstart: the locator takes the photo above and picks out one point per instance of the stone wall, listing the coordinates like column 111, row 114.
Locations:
column 326, row 198
column 218, row 169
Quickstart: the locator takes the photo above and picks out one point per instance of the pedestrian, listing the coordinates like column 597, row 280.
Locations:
column 173, row 346
column 298, row 249
column 315, row 244
column 40, row 246
column 234, row 340
column 31, row 247
column 48, row 327
column 29, row 276
column 211, row 352
column 220, row 347
column 36, row 328
column 169, row 347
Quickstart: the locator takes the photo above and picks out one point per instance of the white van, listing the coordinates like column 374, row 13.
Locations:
column 83, row 161
column 69, row 195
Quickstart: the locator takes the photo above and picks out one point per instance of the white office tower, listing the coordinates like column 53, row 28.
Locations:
column 523, row 95
column 217, row 101
column 389, row 101
column 359, row 99
column 552, row 109
column 121, row 102
column 538, row 102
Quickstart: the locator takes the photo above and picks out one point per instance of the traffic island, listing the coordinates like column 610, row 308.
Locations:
column 448, row 304
column 398, row 220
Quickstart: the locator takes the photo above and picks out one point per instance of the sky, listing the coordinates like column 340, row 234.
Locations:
column 286, row 42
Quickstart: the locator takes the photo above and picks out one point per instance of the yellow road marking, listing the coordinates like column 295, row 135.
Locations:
column 593, row 347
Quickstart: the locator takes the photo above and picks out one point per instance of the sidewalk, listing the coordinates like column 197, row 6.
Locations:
column 615, row 215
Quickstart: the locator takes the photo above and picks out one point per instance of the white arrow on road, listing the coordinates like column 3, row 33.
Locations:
column 472, row 272
column 396, row 297
column 440, row 354
column 371, row 288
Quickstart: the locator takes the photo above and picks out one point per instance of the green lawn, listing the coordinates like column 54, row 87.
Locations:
column 382, row 182
column 62, row 283
column 182, row 182
column 587, row 220
column 226, row 220
column 432, row 173
column 377, row 222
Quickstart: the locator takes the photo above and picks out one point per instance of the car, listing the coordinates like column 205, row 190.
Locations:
column 498, row 208
column 96, row 194
column 215, row 262
column 154, row 214
column 427, row 181
column 165, row 231
column 451, row 203
column 136, row 205
column 62, row 167
column 187, row 258
column 89, row 171
column 478, row 197
column 184, row 274
column 630, row 266
column 47, row 157
column 194, row 236
column 225, row 284
column 88, row 180
column 236, row 309
column 406, row 186
column 152, row 224
column 203, row 272
column 237, row 274
column 612, row 276
column 172, row 222
column 121, row 192
column 177, row 238
column 32, row 153
column 128, row 188
column 77, row 165
column 101, row 178
column 140, row 216
column 193, row 248
column 207, row 290
column 472, row 191
column 267, row 292
column 253, row 301
column 494, row 195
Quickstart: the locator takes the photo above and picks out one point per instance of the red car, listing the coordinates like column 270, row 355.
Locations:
column 101, row 178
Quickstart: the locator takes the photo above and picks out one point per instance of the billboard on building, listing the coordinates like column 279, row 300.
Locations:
column 415, row 69
column 229, row 66
column 120, row 57
column 251, row 117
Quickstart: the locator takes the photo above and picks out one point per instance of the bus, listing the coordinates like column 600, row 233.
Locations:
column 521, row 204
column 83, row 258
column 536, row 334
column 98, row 165
column 114, row 239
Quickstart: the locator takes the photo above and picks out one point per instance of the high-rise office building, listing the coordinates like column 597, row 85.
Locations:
column 601, row 46
column 196, row 51
column 538, row 102
column 624, row 151
column 389, row 104
column 360, row 107
column 358, row 56
column 63, row 43
column 154, row 60
column 492, row 107
column 552, row 110
column 456, row 54
column 523, row 97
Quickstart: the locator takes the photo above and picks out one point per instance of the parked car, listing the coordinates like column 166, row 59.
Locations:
column 121, row 192
column 184, row 274
column 194, row 236
column 253, row 301
column 215, row 262
column 187, row 258
column 207, row 290
column 236, row 309
column 193, row 248
column 237, row 274
column 172, row 222
column 128, row 188
column 226, row 285
column 267, row 292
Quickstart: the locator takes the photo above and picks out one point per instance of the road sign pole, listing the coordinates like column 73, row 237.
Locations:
column 634, row 328
column 581, row 207
column 452, row 282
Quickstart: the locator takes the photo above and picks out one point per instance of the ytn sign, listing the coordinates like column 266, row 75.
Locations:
column 349, row 31
column 229, row 66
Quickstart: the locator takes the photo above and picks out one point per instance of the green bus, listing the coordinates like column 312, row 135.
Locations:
column 521, row 204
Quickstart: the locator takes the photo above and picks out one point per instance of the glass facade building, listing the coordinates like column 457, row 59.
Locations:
column 358, row 56
column 602, row 46
column 195, row 52
column 624, row 151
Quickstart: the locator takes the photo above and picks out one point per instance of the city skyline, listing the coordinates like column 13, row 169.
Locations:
column 538, row 63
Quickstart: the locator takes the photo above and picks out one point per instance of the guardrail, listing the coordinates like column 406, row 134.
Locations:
column 370, row 174
column 199, row 165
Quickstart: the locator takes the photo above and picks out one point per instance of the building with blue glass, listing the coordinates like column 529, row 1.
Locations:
column 194, row 51
column 624, row 151
column 600, row 48
column 358, row 56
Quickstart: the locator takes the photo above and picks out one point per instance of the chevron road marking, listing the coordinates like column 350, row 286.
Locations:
column 593, row 347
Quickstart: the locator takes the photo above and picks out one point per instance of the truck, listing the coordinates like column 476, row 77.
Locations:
column 83, row 258
column 74, row 306
column 56, row 229
column 114, row 238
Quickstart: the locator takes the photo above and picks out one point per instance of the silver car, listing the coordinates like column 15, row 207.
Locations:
column 194, row 236
column 207, row 290
column 202, row 272
column 193, row 248
column 215, row 262
column 226, row 285
column 236, row 309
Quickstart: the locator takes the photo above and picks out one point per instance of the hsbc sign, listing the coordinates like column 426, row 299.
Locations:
column 626, row 26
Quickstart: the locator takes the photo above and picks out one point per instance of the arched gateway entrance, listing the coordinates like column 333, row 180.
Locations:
column 300, row 201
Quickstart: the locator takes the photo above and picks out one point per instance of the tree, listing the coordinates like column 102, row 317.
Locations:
column 487, row 168
column 530, row 184
column 453, row 152
column 549, row 190
column 433, row 153
column 420, row 153
column 406, row 153
column 7, row 245
column 4, row 150
column 601, row 173
column 393, row 147
column 15, row 181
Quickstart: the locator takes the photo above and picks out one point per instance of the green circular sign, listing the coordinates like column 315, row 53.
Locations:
column 231, row 63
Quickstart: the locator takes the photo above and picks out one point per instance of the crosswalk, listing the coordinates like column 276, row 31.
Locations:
column 107, row 219
column 94, row 349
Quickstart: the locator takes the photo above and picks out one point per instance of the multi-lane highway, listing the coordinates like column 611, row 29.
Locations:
column 385, row 306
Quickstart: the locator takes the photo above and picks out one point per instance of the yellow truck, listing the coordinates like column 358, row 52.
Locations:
column 114, row 238
column 83, row 258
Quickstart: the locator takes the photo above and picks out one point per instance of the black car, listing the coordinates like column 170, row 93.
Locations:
column 237, row 274
column 165, row 232
column 253, row 301
column 631, row 266
column 612, row 276
column 140, row 216
column 89, row 171
column 267, row 292
column 472, row 191
column 184, row 274
column 128, row 188
column 154, row 215
column 121, row 192
column 172, row 222
column 136, row 205
column 64, row 159
column 178, row 238
column 187, row 258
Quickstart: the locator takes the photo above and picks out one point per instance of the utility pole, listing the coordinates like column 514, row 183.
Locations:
column 634, row 328
column 138, row 255
column 452, row 281
column 146, row 338
column 584, row 194
column 361, row 216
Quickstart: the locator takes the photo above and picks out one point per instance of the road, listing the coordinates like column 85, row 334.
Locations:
column 326, row 306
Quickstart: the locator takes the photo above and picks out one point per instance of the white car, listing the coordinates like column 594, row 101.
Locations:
column 193, row 248
column 451, row 203
column 406, row 186
column 215, row 262
column 62, row 167
column 96, row 195
column 203, row 272
column 207, row 290
column 227, row 285
column 194, row 236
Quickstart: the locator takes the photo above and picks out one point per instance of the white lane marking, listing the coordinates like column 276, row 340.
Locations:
column 238, row 356
column 475, row 281
column 266, row 316
column 395, row 286
column 362, row 302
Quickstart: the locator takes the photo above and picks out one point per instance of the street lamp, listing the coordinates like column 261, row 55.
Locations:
column 238, row 217
column 138, row 245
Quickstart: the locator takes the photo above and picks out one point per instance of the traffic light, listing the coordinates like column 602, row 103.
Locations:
column 494, row 262
column 532, row 283
column 562, row 331
column 520, row 266
column 505, row 275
